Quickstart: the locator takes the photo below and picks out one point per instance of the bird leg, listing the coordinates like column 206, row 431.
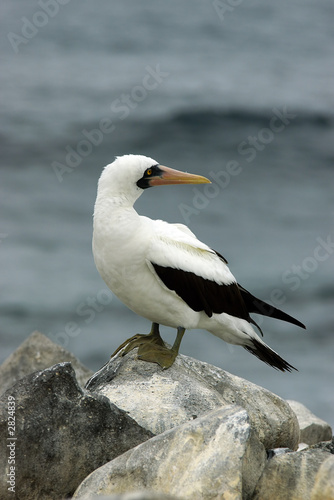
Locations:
column 152, row 348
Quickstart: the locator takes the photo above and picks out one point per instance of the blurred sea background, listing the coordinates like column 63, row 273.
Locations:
column 242, row 92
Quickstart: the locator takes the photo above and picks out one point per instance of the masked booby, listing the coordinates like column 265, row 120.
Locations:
column 162, row 272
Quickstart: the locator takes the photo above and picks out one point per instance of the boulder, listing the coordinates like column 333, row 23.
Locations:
column 271, row 416
column 325, row 446
column 292, row 475
column 312, row 428
column 36, row 353
column 162, row 399
column 214, row 456
column 59, row 436
column 323, row 488
column 139, row 495
column 157, row 399
column 219, row 436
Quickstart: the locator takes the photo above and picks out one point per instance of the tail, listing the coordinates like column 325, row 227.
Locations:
column 263, row 352
column 258, row 306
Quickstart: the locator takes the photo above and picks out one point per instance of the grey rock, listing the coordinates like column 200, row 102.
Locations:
column 157, row 399
column 162, row 399
column 323, row 488
column 325, row 446
column 291, row 475
column 312, row 428
column 217, row 455
column 36, row 353
column 61, row 434
column 302, row 446
column 272, row 417
column 139, row 495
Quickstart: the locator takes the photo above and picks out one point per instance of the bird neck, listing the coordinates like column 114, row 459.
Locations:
column 115, row 215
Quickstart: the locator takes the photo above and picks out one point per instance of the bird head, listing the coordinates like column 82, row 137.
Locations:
column 129, row 175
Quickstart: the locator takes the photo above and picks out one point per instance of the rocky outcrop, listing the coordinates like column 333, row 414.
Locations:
column 323, row 488
column 60, row 434
column 137, row 495
column 312, row 429
column 162, row 399
column 291, row 475
column 37, row 353
column 217, row 455
column 137, row 432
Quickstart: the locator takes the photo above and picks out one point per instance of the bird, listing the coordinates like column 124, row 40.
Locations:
column 165, row 274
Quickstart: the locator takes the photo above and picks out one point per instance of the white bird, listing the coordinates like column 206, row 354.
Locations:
column 162, row 272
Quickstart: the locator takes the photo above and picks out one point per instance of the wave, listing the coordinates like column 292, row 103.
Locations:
column 210, row 116
column 216, row 128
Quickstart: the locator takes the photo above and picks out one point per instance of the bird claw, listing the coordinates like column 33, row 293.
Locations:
column 151, row 348
column 154, row 353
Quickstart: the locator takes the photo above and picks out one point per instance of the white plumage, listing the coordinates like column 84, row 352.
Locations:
column 162, row 271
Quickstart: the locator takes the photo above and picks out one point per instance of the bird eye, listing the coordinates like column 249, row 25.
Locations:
column 149, row 171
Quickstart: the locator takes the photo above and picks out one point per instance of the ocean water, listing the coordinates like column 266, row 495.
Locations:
column 241, row 93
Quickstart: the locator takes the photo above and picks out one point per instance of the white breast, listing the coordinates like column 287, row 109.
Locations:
column 121, row 245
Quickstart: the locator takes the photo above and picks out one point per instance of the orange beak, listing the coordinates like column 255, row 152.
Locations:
column 171, row 176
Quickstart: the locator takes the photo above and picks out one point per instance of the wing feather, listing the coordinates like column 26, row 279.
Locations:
column 174, row 246
column 198, row 274
column 203, row 295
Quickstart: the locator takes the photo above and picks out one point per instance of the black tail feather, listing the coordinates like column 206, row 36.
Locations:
column 264, row 353
column 258, row 306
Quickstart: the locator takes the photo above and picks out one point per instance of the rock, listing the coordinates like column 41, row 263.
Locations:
column 217, row 455
column 323, row 488
column 162, row 399
column 291, row 475
column 157, row 399
column 272, row 417
column 139, row 495
column 61, row 434
column 312, row 428
column 325, row 446
column 37, row 352
column 302, row 446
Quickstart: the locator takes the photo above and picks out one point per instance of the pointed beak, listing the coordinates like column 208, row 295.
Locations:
column 171, row 176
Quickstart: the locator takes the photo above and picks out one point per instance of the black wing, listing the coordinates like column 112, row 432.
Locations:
column 205, row 295
column 258, row 306
column 202, row 294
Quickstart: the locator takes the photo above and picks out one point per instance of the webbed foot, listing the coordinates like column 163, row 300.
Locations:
column 152, row 348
